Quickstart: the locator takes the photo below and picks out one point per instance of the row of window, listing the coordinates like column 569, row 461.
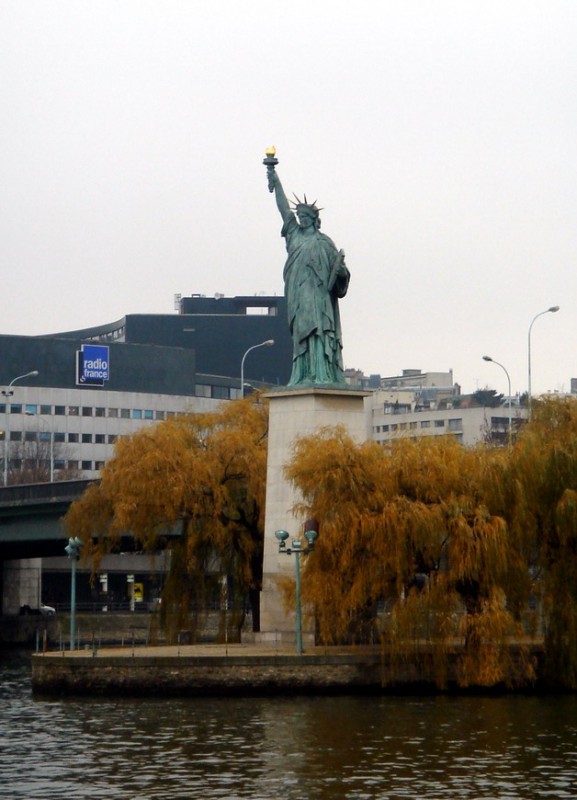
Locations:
column 452, row 425
column 216, row 392
column 109, row 336
column 59, row 464
column 59, row 437
column 388, row 443
column 31, row 409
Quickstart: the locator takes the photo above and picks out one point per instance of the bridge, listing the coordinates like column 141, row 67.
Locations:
column 31, row 518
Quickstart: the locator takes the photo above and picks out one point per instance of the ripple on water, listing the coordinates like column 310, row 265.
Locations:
column 291, row 748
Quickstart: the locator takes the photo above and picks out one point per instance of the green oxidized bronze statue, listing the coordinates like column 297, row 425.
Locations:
column 315, row 277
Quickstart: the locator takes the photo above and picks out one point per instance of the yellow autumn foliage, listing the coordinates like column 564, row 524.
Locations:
column 199, row 478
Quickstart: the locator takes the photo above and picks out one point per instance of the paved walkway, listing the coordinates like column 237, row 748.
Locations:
column 209, row 650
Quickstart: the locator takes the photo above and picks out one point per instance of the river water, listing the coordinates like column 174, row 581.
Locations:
column 301, row 748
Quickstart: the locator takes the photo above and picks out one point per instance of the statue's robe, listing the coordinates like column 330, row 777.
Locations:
column 314, row 278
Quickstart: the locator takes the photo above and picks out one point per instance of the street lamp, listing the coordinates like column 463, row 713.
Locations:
column 268, row 343
column 552, row 310
column 73, row 552
column 8, row 392
column 488, row 358
column 298, row 549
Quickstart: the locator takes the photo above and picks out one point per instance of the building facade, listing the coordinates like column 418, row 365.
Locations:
column 97, row 384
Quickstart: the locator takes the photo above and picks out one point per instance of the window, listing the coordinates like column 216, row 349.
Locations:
column 99, row 411
column 136, row 413
column 385, row 428
column 45, row 436
column 412, row 425
column 30, row 436
column 59, row 437
column 15, row 408
column 73, row 437
column 425, row 423
column 87, row 465
column 60, row 411
column 125, row 413
column 2, row 408
column 15, row 436
column 73, row 411
column 455, row 424
column 86, row 411
column 2, row 435
column 439, row 423
column 112, row 412
column 99, row 438
column 202, row 390
column 86, row 438
column 59, row 463
column 112, row 437
column 30, row 409
column 148, row 413
column 220, row 392
column 99, row 465
column 160, row 415
column 46, row 409
column 73, row 465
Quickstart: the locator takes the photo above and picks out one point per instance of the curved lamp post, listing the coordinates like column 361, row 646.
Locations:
column 488, row 358
column 72, row 550
column 8, row 392
column 267, row 343
column 298, row 550
column 552, row 310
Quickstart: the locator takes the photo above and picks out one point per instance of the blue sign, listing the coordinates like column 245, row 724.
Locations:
column 92, row 365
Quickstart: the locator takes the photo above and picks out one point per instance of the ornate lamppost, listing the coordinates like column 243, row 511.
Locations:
column 73, row 551
column 297, row 548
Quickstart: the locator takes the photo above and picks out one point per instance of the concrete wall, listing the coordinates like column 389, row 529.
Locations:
column 22, row 581
column 360, row 670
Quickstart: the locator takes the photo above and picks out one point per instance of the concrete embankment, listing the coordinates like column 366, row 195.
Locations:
column 229, row 670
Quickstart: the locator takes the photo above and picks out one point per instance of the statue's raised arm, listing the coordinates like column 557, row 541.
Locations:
column 315, row 276
column 274, row 185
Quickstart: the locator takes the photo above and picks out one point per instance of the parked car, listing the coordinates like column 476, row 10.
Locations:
column 44, row 610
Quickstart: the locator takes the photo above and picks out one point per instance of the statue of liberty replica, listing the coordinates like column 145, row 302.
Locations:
column 315, row 277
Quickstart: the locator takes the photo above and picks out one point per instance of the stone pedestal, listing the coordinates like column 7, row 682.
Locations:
column 294, row 413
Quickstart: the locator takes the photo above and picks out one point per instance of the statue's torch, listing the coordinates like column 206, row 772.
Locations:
column 270, row 163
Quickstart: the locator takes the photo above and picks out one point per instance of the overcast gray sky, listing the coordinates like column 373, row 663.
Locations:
column 440, row 136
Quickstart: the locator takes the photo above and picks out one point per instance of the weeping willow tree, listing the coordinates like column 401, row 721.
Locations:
column 202, row 476
column 543, row 510
column 412, row 531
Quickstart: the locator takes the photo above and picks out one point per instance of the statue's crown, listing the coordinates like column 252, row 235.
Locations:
column 306, row 207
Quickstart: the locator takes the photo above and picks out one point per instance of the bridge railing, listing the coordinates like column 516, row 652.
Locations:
column 41, row 492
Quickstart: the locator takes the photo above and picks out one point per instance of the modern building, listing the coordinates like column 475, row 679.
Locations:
column 415, row 414
column 435, row 383
column 96, row 384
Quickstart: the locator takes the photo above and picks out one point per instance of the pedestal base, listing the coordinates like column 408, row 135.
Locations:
column 294, row 413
